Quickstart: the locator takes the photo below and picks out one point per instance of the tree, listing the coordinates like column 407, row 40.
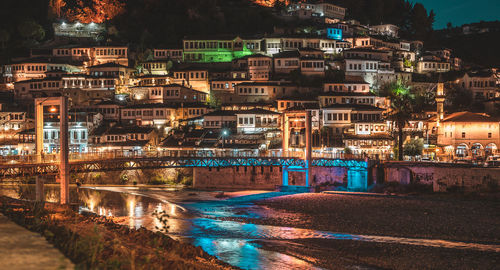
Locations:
column 421, row 23
column 414, row 147
column 30, row 30
column 213, row 101
column 97, row 11
column 459, row 97
column 4, row 38
column 325, row 136
column 401, row 108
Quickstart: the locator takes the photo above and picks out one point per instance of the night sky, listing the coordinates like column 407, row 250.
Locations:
column 460, row 12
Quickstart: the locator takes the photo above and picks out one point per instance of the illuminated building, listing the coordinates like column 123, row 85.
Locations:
column 79, row 32
column 285, row 103
column 153, row 67
column 309, row 10
column 385, row 30
column 220, row 119
column 371, row 64
column 257, row 121
column 152, row 115
column 334, row 33
column 169, row 93
column 258, row 66
column 12, row 122
column 93, row 55
column 260, row 91
column 469, row 135
column 196, row 78
column 36, row 68
column 341, row 118
column 226, row 86
column 286, row 62
column 168, row 54
column 109, row 109
column 431, row 63
column 312, row 62
column 214, row 49
column 124, row 139
column 122, row 75
column 482, row 84
column 80, row 125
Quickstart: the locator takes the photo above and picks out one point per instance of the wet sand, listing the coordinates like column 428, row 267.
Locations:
column 428, row 217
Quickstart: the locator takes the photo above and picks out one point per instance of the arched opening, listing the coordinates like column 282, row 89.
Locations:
column 477, row 150
column 491, row 149
column 462, row 150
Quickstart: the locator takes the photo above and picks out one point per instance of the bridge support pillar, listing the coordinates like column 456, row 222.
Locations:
column 285, row 135
column 40, row 192
column 284, row 175
column 64, row 152
column 53, row 102
column 357, row 179
column 308, row 149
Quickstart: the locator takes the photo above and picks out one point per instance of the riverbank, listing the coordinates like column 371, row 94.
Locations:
column 426, row 217
column 92, row 241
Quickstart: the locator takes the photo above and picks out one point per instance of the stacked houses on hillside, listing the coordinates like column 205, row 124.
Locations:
column 232, row 91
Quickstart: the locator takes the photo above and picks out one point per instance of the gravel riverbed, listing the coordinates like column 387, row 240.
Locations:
column 445, row 217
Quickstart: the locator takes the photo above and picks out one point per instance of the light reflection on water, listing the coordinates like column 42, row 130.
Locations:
column 200, row 223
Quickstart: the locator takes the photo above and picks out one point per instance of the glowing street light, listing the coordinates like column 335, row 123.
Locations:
column 224, row 133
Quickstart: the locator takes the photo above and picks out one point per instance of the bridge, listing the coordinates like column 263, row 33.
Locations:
column 20, row 166
column 63, row 164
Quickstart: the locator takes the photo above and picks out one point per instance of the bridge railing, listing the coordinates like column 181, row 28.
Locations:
column 215, row 153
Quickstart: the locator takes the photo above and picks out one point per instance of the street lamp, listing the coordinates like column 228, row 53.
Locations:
column 224, row 134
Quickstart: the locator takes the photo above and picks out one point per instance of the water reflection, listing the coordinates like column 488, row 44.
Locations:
column 203, row 224
column 248, row 255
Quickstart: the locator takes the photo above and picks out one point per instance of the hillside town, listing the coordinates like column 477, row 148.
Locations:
column 242, row 93
column 249, row 134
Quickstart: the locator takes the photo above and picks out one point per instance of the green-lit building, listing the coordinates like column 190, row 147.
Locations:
column 220, row 49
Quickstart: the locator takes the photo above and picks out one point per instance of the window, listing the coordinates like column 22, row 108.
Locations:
column 489, row 135
column 463, row 134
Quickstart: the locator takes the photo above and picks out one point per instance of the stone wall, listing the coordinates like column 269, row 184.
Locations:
column 262, row 177
column 146, row 176
column 443, row 177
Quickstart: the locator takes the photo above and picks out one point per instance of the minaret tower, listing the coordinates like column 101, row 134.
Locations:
column 440, row 102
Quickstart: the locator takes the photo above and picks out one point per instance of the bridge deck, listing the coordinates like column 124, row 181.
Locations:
column 133, row 163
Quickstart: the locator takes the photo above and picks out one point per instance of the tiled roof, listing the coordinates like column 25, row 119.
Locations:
column 469, row 117
column 359, row 107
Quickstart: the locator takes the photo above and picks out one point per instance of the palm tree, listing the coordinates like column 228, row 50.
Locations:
column 402, row 102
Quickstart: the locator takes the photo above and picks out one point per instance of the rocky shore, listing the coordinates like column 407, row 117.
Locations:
column 94, row 242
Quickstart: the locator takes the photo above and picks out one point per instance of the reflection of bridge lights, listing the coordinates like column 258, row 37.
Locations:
column 131, row 202
column 91, row 205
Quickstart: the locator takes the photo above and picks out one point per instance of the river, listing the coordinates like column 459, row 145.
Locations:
column 198, row 217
